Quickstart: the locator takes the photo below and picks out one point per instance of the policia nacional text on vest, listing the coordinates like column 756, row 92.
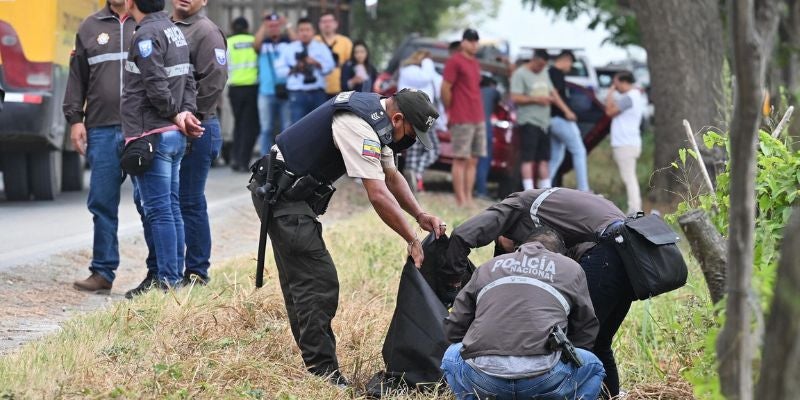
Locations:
column 242, row 60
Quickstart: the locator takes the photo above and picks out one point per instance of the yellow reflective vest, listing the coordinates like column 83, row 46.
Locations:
column 242, row 60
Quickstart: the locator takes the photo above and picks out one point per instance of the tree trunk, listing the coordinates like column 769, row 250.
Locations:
column 709, row 248
column 789, row 60
column 753, row 25
column 685, row 52
column 781, row 363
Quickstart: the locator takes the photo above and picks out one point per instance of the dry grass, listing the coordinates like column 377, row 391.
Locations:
column 228, row 340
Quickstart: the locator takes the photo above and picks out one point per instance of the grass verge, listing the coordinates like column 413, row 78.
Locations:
column 228, row 340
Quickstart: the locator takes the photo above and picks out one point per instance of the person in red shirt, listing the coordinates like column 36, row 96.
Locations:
column 461, row 94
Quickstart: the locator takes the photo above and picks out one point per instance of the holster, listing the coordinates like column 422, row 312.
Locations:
column 315, row 193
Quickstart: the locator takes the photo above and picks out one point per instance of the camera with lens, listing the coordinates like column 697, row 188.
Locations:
column 304, row 68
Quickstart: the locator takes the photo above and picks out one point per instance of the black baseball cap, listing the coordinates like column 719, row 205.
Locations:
column 418, row 110
column 471, row 35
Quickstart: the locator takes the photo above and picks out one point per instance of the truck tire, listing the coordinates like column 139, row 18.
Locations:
column 72, row 172
column 15, row 177
column 45, row 176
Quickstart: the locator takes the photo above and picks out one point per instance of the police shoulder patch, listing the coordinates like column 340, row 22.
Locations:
column 222, row 57
column 371, row 148
column 343, row 97
column 145, row 48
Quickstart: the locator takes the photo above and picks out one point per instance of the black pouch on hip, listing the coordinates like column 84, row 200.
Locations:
column 302, row 188
column 321, row 198
column 137, row 157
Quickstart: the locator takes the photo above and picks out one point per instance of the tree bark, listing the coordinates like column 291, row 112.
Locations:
column 753, row 23
column 685, row 51
column 709, row 248
column 788, row 74
column 781, row 363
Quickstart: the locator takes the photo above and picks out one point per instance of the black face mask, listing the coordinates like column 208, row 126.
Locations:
column 403, row 144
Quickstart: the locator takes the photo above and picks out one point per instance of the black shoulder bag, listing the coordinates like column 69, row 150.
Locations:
column 652, row 259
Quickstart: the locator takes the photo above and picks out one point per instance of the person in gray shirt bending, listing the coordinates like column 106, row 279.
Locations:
column 501, row 323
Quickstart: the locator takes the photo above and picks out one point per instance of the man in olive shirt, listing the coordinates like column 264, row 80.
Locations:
column 579, row 217
column 533, row 93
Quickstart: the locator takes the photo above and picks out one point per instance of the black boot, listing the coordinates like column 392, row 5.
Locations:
column 148, row 283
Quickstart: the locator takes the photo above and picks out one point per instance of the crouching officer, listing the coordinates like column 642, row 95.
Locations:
column 583, row 220
column 356, row 134
column 508, row 324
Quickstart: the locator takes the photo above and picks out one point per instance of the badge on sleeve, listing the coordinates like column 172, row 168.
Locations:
column 222, row 58
column 371, row 148
column 146, row 48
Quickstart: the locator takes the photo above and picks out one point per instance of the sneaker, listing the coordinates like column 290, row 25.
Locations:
column 195, row 279
column 148, row 283
column 95, row 284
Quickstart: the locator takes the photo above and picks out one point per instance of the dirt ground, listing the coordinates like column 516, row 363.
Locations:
column 36, row 298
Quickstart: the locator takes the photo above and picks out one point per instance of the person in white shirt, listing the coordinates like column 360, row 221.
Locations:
column 419, row 72
column 624, row 104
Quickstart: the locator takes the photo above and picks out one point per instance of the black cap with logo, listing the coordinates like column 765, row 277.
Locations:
column 418, row 110
column 471, row 35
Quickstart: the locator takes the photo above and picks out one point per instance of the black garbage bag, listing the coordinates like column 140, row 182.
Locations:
column 415, row 343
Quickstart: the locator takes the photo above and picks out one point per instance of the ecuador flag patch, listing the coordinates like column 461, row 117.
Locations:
column 371, row 148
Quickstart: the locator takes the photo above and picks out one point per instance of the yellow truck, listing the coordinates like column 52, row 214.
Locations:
column 36, row 38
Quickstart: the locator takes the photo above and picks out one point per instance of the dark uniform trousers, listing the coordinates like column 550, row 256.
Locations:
column 244, row 103
column 612, row 294
column 308, row 281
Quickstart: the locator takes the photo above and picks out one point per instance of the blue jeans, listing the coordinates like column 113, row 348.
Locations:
column 485, row 163
column 564, row 381
column 194, row 172
column 565, row 136
column 302, row 102
column 271, row 110
column 103, row 151
column 157, row 197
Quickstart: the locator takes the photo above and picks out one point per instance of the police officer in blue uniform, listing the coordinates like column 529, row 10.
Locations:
column 356, row 134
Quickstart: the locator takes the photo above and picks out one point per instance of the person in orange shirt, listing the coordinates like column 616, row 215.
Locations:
column 341, row 48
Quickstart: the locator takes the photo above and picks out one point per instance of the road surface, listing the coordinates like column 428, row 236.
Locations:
column 36, row 230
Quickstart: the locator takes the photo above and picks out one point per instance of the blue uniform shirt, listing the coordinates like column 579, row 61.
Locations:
column 316, row 50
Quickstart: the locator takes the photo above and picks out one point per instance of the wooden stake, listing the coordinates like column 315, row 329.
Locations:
column 690, row 135
column 784, row 121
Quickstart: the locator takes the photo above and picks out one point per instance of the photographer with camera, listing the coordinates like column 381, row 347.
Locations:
column 305, row 62
column 522, row 325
